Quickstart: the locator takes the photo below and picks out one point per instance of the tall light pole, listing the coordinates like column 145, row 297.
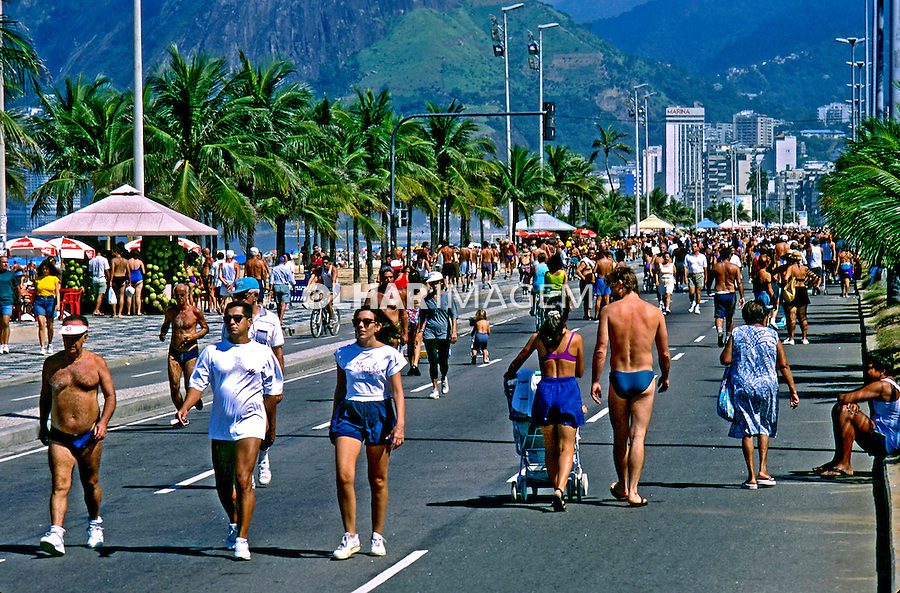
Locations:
column 637, row 161
column 138, row 102
column 878, row 59
column 868, row 61
column 646, row 143
column 852, row 41
column 540, row 60
column 501, row 50
column 863, row 97
column 3, row 215
column 894, row 99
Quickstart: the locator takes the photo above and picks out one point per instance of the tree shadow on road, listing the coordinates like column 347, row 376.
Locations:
column 498, row 502
column 107, row 551
column 288, row 553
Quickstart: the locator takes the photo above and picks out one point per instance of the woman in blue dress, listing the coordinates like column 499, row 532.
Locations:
column 754, row 354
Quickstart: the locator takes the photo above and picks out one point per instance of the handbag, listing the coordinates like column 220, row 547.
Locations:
column 111, row 297
column 725, row 401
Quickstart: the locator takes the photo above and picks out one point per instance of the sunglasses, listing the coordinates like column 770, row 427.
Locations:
column 235, row 318
column 365, row 322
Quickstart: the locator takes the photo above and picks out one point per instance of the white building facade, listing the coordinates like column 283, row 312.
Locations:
column 684, row 153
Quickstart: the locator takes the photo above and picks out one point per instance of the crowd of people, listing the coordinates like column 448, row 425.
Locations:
column 244, row 367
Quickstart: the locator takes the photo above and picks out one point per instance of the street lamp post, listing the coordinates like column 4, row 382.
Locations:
column 852, row 41
column 138, row 102
column 637, row 162
column 540, row 60
column 501, row 49
column 646, row 144
column 863, row 96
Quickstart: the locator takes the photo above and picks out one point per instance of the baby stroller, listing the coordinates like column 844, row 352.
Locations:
column 529, row 442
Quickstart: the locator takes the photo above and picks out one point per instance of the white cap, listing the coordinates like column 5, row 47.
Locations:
column 229, row 254
column 433, row 277
column 73, row 329
column 254, row 251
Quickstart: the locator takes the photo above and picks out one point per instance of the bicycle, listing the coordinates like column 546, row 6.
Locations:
column 322, row 320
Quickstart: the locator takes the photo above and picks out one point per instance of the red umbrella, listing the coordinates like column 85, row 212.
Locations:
column 30, row 246
column 545, row 234
column 522, row 234
column 585, row 233
column 71, row 248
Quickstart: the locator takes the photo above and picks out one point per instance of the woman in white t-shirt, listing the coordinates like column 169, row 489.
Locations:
column 368, row 377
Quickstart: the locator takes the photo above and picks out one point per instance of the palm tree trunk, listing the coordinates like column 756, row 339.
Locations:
column 481, row 227
column 434, row 229
column 893, row 286
column 440, row 215
column 280, row 239
column 355, row 251
column 409, row 215
column 370, row 260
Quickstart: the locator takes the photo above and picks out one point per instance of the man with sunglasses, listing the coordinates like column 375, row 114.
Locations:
column 265, row 328
column 243, row 375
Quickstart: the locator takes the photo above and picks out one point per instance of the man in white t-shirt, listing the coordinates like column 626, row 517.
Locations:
column 243, row 375
column 695, row 265
column 265, row 328
column 814, row 255
column 100, row 276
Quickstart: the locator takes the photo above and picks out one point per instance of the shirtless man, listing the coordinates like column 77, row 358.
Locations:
column 509, row 258
column 185, row 319
column 466, row 268
column 257, row 268
column 448, row 268
column 726, row 276
column 119, row 277
column 69, row 382
column 629, row 326
column 603, row 267
column 387, row 297
column 487, row 264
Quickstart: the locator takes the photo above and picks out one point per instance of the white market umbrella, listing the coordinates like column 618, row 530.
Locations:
column 654, row 222
column 30, row 247
column 542, row 220
column 69, row 248
column 182, row 242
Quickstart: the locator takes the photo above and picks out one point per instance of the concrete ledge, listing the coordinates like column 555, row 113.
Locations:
column 886, row 490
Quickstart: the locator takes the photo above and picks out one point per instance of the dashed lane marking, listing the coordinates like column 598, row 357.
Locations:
column 19, row 399
column 699, row 339
column 147, row 374
column 395, row 569
column 598, row 415
column 422, row 388
column 321, row 426
column 187, row 482
column 678, row 356
column 487, row 364
column 308, row 375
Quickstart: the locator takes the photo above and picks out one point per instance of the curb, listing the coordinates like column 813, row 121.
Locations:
column 147, row 400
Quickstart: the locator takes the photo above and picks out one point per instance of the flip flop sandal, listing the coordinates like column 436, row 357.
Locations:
column 750, row 485
column 644, row 502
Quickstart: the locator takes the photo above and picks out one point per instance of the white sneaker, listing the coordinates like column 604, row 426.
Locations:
column 4, row 348
column 804, row 341
column 44, row 350
column 52, row 542
column 95, row 533
column 49, row 348
column 697, row 310
column 788, row 341
column 435, row 394
column 377, row 545
column 241, row 549
column 265, row 473
column 232, row 536
column 692, row 307
column 349, row 546
column 445, row 386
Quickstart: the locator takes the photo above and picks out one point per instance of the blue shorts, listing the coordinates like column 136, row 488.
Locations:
column 44, row 305
column 764, row 299
column 725, row 304
column 601, row 288
column 369, row 422
column 558, row 401
column 6, row 310
column 479, row 342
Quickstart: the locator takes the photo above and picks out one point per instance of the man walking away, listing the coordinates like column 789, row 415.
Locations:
column 100, row 277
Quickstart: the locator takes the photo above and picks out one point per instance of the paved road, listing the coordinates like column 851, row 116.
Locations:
column 450, row 506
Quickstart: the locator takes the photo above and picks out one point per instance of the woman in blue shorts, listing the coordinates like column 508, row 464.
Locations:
column 557, row 403
column 368, row 378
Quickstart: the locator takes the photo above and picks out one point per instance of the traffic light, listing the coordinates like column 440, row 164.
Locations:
column 549, row 121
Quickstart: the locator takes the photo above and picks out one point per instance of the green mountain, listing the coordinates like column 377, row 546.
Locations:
column 420, row 50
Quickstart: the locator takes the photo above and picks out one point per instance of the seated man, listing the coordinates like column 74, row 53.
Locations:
column 878, row 435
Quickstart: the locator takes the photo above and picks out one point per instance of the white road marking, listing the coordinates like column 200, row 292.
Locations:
column 2, row 559
column 487, row 364
column 309, row 375
column 17, row 455
column 703, row 301
column 383, row 577
column 422, row 388
column 504, row 321
column 576, row 329
column 138, row 376
column 19, row 399
column 598, row 415
column 187, row 482
column 699, row 339
column 678, row 356
column 300, row 343
column 321, row 426
column 513, row 478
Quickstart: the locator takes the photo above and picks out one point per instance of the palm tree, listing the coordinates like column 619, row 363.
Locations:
column 571, row 181
column 659, row 203
column 609, row 142
column 718, row 212
column 204, row 158
column 861, row 197
column 85, row 135
column 613, row 214
column 520, row 181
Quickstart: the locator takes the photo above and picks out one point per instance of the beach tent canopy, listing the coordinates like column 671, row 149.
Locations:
column 69, row 248
column 182, row 242
column 655, row 223
column 542, row 220
column 707, row 224
column 123, row 213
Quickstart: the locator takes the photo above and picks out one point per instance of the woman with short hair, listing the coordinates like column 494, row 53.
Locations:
column 46, row 300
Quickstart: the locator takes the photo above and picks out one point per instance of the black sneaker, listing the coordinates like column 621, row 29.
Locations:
column 721, row 340
column 413, row 372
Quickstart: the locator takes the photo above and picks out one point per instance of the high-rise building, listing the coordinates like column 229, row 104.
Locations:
column 718, row 134
column 684, row 153
column 785, row 153
column 651, row 167
column 834, row 114
column 753, row 129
